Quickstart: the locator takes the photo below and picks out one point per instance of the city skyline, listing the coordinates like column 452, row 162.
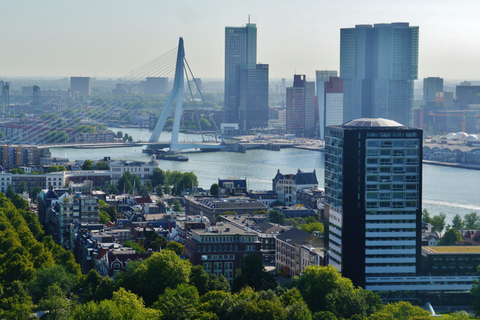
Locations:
column 58, row 39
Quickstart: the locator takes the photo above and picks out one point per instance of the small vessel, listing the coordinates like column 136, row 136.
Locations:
column 172, row 157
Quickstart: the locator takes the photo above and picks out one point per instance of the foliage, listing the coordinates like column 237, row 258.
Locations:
column 10, row 191
column 425, row 216
column 104, row 217
column 214, row 189
column 472, row 221
column 277, row 203
column 128, row 181
column 135, row 246
column 253, row 274
column 158, row 177
column 124, row 305
column 311, row 227
column 178, row 303
column 176, row 205
column 54, row 168
column 101, row 165
column 87, row 165
column 179, row 181
column 95, row 287
column 400, row 311
column 175, row 247
column 54, row 301
column 47, row 277
column 16, row 171
column 15, row 303
column 450, row 238
column 438, row 222
column 276, row 217
column 457, row 222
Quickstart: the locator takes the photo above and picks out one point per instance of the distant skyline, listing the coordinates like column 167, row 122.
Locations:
column 54, row 38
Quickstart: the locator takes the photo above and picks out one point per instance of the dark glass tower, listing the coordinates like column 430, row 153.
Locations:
column 378, row 65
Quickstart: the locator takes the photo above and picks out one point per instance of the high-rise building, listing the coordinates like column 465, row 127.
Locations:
column 322, row 76
column 334, row 101
column 156, row 85
column 431, row 86
column 252, row 96
column 81, row 86
column 300, row 106
column 240, row 49
column 378, row 65
column 467, row 95
column 373, row 192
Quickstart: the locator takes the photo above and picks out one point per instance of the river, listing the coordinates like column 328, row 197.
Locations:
column 445, row 189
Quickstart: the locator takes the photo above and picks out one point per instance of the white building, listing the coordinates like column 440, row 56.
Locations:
column 141, row 169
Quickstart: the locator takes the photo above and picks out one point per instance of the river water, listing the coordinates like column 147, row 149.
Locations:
column 445, row 189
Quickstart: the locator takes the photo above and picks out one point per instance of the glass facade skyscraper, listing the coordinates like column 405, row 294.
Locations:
column 378, row 65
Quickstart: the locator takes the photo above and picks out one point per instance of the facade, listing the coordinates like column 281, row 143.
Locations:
column 240, row 49
column 141, row 169
column 378, row 65
column 213, row 207
column 156, row 85
column 322, row 76
column 333, row 102
column 252, row 96
column 81, row 85
column 373, row 192
column 220, row 249
column 431, row 86
column 296, row 249
column 287, row 185
column 300, row 106
column 467, row 95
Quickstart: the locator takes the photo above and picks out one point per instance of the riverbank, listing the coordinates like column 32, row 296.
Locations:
column 462, row 165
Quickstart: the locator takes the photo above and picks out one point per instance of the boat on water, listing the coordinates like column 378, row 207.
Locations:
column 172, row 157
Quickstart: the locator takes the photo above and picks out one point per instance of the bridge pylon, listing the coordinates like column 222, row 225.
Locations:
column 176, row 94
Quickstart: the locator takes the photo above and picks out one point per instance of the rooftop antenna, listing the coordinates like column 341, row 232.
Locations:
column 248, row 19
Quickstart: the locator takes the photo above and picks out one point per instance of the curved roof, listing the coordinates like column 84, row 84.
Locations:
column 372, row 122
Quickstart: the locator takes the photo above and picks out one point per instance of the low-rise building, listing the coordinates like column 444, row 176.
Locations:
column 213, row 207
column 116, row 260
column 220, row 249
column 296, row 249
column 450, row 260
column 141, row 169
column 287, row 185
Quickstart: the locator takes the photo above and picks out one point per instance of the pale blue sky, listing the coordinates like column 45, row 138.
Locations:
column 65, row 37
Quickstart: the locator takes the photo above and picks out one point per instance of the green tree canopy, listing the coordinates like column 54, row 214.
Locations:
column 87, row 165
column 311, row 227
column 457, row 222
column 214, row 189
column 16, row 171
column 253, row 274
column 175, row 247
column 472, row 221
column 276, row 217
column 450, row 238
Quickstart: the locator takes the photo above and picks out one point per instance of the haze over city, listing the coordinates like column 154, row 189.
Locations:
column 110, row 38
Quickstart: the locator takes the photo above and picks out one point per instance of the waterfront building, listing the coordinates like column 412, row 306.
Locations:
column 322, row 76
column 252, row 96
column 80, row 86
column 300, row 106
column 378, row 65
column 333, row 101
column 373, row 192
column 240, row 49
column 431, row 86
column 287, row 185
column 143, row 170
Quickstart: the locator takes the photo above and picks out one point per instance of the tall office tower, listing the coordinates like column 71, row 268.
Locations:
column 467, row 95
column 240, row 49
column 252, row 96
column 378, row 65
column 431, row 86
column 156, row 85
column 301, row 106
column 333, row 101
column 82, row 85
column 373, row 192
column 322, row 76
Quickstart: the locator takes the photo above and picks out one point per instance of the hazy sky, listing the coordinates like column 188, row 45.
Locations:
column 70, row 38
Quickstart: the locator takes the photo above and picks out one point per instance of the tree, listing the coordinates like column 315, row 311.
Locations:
column 457, row 222
column 17, row 171
column 175, row 247
column 55, row 302
column 276, row 217
column 15, row 302
column 425, row 216
column 214, row 189
column 178, row 303
column 472, row 221
column 400, row 311
column 450, row 238
column 158, row 177
column 101, row 165
column 87, row 165
column 176, row 205
column 47, row 277
column 311, row 227
column 119, row 134
column 277, row 203
column 253, row 274
column 10, row 191
column 438, row 222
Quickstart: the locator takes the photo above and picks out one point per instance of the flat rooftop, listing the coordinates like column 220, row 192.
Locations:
column 452, row 249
